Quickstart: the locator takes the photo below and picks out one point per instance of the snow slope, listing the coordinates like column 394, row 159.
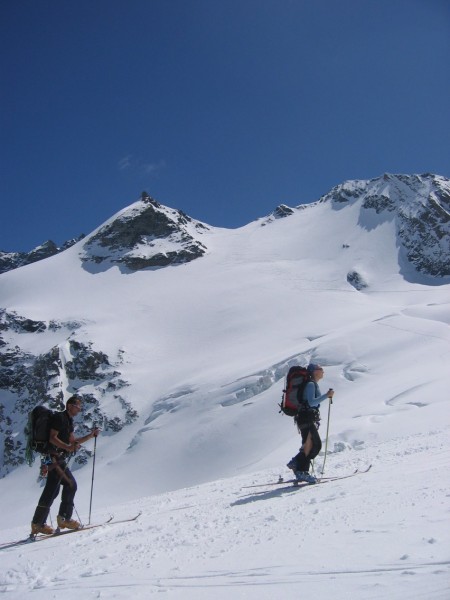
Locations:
column 381, row 534
column 204, row 347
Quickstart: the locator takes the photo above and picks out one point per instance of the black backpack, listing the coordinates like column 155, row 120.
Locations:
column 38, row 432
column 292, row 398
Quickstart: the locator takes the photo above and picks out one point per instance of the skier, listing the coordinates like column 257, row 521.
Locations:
column 62, row 442
column 307, row 421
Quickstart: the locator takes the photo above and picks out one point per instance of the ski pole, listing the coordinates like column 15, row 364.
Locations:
column 326, row 440
column 92, row 482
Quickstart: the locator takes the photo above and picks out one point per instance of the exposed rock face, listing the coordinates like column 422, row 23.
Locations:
column 420, row 206
column 424, row 229
column 145, row 235
column 282, row 211
column 28, row 380
column 356, row 280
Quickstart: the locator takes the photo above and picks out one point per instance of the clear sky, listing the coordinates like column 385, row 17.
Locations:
column 222, row 108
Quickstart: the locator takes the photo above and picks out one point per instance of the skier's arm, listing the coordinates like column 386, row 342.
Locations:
column 310, row 395
column 74, row 442
column 55, row 441
column 89, row 436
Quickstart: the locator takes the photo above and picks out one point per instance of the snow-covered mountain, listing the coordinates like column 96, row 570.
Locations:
column 145, row 235
column 222, row 325
column 419, row 204
column 14, row 260
column 178, row 336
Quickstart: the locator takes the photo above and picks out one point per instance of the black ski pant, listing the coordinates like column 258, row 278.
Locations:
column 302, row 461
column 58, row 475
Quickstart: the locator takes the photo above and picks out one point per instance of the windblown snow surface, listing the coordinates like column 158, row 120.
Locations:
column 206, row 345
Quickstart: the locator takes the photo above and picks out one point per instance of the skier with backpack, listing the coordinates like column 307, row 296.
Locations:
column 307, row 416
column 61, row 444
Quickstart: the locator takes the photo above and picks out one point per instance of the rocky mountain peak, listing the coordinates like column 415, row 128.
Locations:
column 420, row 207
column 146, row 234
column 282, row 211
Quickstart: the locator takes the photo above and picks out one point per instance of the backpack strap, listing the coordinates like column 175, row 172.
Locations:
column 304, row 404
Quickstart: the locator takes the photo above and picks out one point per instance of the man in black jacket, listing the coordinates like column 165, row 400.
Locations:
column 63, row 443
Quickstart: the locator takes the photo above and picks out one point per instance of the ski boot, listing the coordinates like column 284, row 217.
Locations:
column 41, row 528
column 305, row 477
column 67, row 523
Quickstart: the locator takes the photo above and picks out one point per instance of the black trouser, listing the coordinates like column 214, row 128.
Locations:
column 302, row 461
column 58, row 474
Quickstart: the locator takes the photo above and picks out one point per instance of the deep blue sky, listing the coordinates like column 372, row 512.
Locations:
column 223, row 108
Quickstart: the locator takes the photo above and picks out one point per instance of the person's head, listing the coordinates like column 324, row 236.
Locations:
column 73, row 405
column 315, row 371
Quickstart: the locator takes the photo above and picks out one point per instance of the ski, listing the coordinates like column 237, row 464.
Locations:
column 297, row 483
column 356, row 472
column 59, row 533
column 40, row 537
